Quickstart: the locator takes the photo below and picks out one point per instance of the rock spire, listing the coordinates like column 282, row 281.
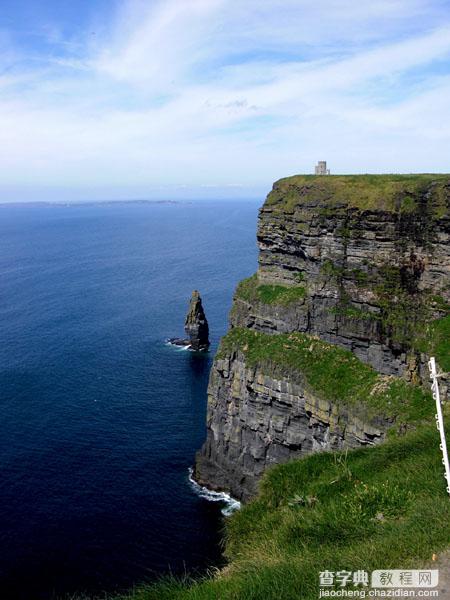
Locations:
column 196, row 324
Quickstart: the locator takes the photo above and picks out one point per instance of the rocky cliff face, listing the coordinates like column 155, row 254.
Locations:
column 256, row 420
column 370, row 275
column 359, row 262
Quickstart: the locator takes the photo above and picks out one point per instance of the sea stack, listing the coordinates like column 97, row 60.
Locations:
column 196, row 325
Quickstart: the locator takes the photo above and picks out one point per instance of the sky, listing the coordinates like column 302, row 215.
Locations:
column 109, row 99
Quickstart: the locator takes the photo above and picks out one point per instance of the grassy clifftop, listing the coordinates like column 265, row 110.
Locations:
column 381, row 507
column 391, row 193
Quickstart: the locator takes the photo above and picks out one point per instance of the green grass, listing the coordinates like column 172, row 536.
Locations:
column 282, row 295
column 278, row 294
column 331, row 373
column 434, row 340
column 380, row 507
column 393, row 193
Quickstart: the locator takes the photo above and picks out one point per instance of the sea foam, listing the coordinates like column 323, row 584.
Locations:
column 231, row 504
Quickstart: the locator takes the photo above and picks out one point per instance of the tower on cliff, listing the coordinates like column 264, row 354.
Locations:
column 321, row 168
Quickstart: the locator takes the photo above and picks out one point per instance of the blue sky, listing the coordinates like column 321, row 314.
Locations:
column 105, row 99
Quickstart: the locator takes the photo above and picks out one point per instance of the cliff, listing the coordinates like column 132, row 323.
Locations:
column 329, row 340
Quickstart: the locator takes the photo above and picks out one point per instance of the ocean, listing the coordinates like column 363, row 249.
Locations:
column 100, row 418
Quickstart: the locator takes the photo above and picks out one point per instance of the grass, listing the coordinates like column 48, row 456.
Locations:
column 331, row 373
column 393, row 193
column 434, row 340
column 380, row 507
column 281, row 295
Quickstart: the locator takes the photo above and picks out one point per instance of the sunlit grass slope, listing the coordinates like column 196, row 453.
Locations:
column 391, row 193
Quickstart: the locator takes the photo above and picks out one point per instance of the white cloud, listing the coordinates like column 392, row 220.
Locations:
column 209, row 92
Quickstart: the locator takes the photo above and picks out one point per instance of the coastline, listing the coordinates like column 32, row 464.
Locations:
column 231, row 504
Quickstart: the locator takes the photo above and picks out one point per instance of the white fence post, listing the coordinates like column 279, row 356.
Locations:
column 439, row 419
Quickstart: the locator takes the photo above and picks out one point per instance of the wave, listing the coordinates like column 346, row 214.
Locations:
column 231, row 504
column 178, row 346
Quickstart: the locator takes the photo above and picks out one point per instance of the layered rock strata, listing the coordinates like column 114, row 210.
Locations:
column 256, row 420
column 370, row 274
column 360, row 262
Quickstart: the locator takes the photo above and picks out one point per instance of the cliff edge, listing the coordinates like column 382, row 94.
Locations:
column 329, row 340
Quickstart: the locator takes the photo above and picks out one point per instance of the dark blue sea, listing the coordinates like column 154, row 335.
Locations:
column 100, row 419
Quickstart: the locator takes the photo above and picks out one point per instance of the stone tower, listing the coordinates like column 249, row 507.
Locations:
column 321, row 168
